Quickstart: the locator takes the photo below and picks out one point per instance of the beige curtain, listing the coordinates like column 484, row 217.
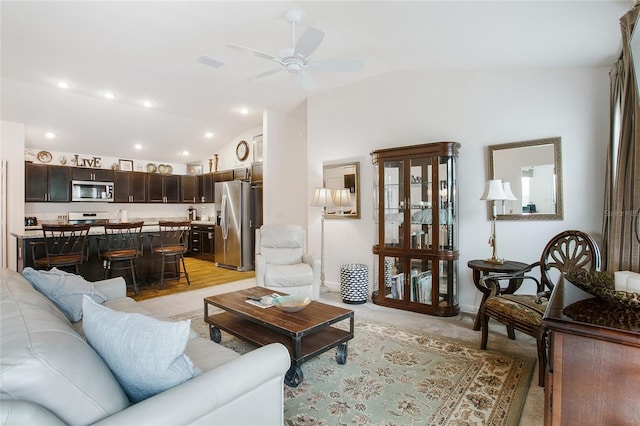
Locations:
column 621, row 235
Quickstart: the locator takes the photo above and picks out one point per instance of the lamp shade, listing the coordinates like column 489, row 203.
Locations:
column 506, row 186
column 321, row 197
column 341, row 197
column 494, row 191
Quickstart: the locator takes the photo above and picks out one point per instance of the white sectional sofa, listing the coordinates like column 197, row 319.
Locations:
column 51, row 375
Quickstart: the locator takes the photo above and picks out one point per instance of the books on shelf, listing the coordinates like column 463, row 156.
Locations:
column 421, row 287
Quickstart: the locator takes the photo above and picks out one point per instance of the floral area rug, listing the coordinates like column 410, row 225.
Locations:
column 396, row 376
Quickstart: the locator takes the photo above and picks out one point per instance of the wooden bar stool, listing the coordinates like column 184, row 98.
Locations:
column 64, row 246
column 169, row 247
column 124, row 246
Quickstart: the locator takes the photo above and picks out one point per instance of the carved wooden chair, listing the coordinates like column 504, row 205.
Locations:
column 64, row 245
column 123, row 243
column 567, row 251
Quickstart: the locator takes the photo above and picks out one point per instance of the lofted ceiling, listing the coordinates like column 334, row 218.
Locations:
column 150, row 50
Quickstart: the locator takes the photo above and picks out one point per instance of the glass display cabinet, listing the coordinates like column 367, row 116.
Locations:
column 416, row 228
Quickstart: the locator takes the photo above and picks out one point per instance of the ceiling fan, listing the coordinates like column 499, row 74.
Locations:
column 296, row 58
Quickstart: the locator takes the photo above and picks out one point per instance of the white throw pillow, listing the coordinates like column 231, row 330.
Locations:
column 145, row 354
column 64, row 289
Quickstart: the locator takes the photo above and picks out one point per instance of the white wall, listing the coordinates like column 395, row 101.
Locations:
column 12, row 150
column 227, row 153
column 285, row 197
column 476, row 108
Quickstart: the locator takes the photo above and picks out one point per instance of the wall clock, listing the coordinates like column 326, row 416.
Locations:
column 242, row 150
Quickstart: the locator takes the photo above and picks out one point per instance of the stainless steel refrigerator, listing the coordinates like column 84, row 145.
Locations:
column 233, row 238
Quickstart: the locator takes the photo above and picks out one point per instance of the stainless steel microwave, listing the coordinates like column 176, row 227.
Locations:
column 84, row 190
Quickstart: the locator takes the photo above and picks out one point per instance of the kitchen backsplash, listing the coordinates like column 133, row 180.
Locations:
column 55, row 212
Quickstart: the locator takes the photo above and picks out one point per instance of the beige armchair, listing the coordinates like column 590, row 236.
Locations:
column 282, row 263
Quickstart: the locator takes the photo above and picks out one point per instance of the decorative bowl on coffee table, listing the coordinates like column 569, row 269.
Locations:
column 291, row 303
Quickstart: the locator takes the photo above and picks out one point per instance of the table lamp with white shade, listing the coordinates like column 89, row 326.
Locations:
column 494, row 191
column 506, row 186
column 341, row 198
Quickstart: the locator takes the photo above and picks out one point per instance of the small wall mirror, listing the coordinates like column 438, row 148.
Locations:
column 344, row 181
column 534, row 170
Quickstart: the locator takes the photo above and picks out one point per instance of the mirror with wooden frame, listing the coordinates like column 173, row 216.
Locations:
column 534, row 171
column 344, row 181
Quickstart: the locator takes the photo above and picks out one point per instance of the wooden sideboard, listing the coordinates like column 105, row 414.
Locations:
column 593, row 376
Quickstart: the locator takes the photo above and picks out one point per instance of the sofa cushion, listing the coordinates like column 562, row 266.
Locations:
column 519, row 306
column 145, row 354
column 64, row 289
column 45, row 361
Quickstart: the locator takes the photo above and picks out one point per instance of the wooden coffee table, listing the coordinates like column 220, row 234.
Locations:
column 305, row 333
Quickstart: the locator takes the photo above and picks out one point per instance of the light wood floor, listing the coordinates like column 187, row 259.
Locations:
column 202, row 273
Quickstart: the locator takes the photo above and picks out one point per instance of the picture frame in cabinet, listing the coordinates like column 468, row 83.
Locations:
column 125, row 165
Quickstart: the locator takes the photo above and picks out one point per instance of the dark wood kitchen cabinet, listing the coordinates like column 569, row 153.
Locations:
column 47, row 183
column 189, row 189
column 163, row 188
column 85, row 173
column 129, row 187
column 593, row 373
column 202, row 243
column 205, row 188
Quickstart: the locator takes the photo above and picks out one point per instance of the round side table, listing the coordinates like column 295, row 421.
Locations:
column 481, row 268
column 354, row 283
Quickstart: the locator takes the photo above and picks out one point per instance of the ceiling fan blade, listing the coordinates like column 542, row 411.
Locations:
column 307, row 82
column 253, row 52
column 267, row 73
column 308, row 43
column 337, row 65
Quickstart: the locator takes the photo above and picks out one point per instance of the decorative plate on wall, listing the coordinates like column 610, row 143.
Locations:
column 161, row 168
column 44, row 156
column 151, row 168
column 168, row 169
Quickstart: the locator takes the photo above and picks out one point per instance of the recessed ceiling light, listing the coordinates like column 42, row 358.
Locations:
column 109, row 95
column 138, row 146
column 146, row 104
column 50, row 135
column 185, row 153
column 63, row 85
column 208, row 135
column 244, row 111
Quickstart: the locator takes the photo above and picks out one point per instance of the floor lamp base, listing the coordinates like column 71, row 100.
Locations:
column 324, row 288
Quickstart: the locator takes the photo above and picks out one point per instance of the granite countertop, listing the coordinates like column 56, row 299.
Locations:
column 95, row 230
column 203, row 222
column 150, row 225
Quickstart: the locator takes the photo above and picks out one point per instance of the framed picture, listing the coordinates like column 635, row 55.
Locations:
column 126, row 165
column 257, row 148
column 194, row 168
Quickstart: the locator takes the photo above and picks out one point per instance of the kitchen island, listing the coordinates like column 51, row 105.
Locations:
column 92, row 268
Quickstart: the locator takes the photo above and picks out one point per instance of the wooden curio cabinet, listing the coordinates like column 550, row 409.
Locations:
column 416, row 228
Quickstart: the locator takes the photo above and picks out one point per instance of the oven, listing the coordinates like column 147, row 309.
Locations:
column 94, row 218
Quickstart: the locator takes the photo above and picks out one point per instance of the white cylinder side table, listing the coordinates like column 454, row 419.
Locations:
column 354, row 283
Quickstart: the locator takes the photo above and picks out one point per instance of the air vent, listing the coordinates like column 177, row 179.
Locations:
column 212, row 62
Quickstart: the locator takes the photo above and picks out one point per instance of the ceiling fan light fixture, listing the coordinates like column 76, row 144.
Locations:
column 296, row 58
column 294, row 67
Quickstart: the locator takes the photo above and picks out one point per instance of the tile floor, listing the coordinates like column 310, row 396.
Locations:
column 459, row 327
